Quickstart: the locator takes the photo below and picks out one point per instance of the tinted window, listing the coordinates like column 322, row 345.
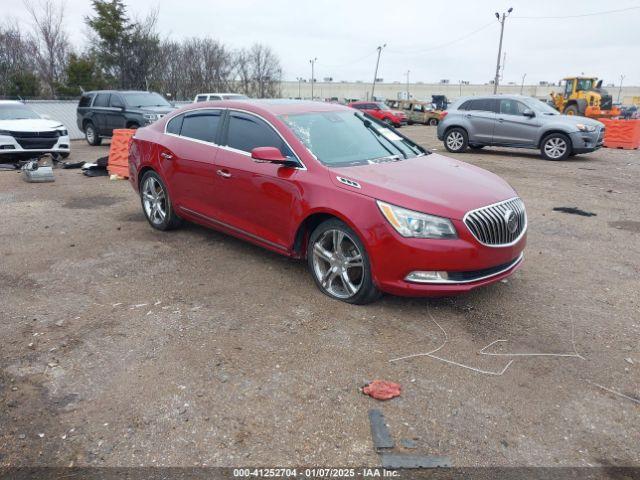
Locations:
column 247, row 132
column 116, row 101
column 175, row 124
column 465, row 106
column 512, row 107
column 102, row 100
column 85, row 101
column 201, row 126
column 359, row 106
column 201, row 98
column 145, row 99
column 483, row 105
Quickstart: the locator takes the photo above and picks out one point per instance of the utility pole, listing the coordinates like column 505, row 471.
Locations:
column 501, row 20
column 407, row 74
column 522, row 84
column 299, row 79
column 620, row 89
column 313, row 79
column 375, row 75
column 460, row 81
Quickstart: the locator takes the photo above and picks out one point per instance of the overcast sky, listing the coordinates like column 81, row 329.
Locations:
column 344, row 34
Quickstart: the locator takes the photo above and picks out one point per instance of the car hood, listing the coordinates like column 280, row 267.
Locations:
column 432, row 184
column 30, row 125
column 571, row 121
column 160, row 110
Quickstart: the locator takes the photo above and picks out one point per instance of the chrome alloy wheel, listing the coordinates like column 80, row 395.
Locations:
column 91, row 134
column 338, row 264
column 555, row 147
column 455, row 140
column 154, row 200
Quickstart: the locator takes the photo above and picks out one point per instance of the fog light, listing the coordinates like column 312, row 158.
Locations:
column 427, row 277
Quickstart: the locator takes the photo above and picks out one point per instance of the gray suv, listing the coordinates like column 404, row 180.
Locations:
column 517, row 121
column 99, row 113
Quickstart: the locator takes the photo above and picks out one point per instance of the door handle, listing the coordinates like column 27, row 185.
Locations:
column 223, row 173
column 166, row 156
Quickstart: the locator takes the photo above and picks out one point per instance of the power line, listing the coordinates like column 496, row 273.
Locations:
column 448, row 43
column 606, row 12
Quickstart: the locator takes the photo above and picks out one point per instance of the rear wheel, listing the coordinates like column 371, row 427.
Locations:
column 433, row 122
column 556, row 146
column 339, row 263
column 156, row 203
column 91, row 135
column 456, row 140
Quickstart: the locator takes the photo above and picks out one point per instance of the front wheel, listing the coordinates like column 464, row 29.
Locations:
column 456, row 140
column 555, row 147
column 388, row 122
column 156, row 203
column 339, row 263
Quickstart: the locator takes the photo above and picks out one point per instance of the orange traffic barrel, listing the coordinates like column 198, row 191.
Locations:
column 119, row 152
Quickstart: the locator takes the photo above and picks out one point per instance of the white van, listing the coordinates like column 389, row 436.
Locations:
column 210, row 97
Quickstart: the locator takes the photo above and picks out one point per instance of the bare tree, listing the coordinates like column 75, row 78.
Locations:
column 50, row 41
column 18, row 77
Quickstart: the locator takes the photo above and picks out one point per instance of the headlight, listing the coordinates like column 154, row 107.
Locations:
column 415, row 224
column 63, row 133
column 152, row 117
column 586, row 128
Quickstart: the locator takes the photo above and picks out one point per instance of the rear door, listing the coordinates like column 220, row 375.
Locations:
column 513, row 127
column 115, row 116
column 255, row 198
column 100, row 109
column 187, row 158
column 481, row 119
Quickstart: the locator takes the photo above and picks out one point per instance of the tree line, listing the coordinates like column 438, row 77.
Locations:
column 124, row 53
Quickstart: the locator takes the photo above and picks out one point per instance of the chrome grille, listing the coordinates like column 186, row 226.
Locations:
column 494, row 225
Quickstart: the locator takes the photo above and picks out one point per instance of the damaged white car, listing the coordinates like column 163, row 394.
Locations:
column 24, row 134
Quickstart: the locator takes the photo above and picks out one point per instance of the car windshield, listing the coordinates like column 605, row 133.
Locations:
column 16, row 111
column 150, row 99
column 340, row 139
column 542, row 107
column 383, row 106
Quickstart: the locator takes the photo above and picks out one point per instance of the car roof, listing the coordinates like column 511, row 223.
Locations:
column 11, row 102
column 271, row 106
column 220, row 93
column 117, row 91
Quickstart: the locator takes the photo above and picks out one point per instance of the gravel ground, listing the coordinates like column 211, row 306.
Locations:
column 126, row 346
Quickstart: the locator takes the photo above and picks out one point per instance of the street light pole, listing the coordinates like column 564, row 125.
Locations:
column 299, row 88
column 407, row 74
column 522, row 84
column 375, row 75
column 620, row 89
column 501, row 20
column 313, row 80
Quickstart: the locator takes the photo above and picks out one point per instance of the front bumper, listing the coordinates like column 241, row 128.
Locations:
column 585, row 142
column 469, row 264
column 11, row 148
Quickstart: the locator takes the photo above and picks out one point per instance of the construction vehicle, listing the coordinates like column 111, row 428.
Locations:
column 584, row 96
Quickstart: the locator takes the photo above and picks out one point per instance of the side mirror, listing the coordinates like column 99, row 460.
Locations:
column 269, row 154
column 529, row 113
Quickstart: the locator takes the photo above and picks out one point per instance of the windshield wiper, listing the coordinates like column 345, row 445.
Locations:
column 369, row 125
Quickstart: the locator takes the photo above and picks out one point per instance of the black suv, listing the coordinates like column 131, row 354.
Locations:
column 100, row 112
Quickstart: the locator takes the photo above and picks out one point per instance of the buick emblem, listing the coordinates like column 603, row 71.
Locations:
column 511, row 220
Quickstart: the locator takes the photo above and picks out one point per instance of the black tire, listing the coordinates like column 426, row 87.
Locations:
column 170, row 220
column 133, row 126
column 64, row 155
column 555, row 147
column 476, row 147
column 91, row 135
column 388, row 121
column 572, row 110
column 456, row 140
column 319, row 265
column 433, row 122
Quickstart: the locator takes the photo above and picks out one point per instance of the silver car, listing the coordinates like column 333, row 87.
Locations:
column 517, row 121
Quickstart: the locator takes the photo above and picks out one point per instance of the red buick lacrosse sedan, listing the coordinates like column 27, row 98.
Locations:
column 368, row 209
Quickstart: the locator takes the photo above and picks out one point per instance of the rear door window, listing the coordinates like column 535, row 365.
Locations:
column 484, row 105
column 102, row 100
column 201, row 98
column 85, row 100
column 116, row 101
column 247, row 132
column 201, row 125
column 175, row 125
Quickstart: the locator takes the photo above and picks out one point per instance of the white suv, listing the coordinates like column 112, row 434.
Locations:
column 210, row 97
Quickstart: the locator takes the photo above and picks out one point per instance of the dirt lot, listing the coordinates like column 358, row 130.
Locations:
column 122, row 345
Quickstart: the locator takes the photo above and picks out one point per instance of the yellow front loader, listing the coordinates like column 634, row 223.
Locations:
column 584, row 96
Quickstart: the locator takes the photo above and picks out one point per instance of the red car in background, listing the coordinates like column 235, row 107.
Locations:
column 369, row 210
column 382, row 112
